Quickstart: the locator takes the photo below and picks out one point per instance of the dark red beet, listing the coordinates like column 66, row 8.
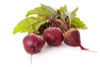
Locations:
column 33, row 43
column 72, row 38
column 53, row 36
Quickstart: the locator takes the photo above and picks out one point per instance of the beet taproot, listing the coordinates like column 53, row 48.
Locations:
column 53, row 36
column 33, row 43
column 72, row 38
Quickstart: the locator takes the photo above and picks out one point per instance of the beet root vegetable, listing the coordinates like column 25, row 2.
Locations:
column 33, row 43
column 53, row 36
column 72, row 38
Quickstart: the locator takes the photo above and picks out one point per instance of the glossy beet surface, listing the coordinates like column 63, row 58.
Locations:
column 53, row 36
column 33, row 43
column 72, row 38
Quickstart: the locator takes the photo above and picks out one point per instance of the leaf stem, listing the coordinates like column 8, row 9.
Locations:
column 70, row 21
column 50, row 19
column 58, row 15
column 60, row 27
column 52, row 24
column 54, row 20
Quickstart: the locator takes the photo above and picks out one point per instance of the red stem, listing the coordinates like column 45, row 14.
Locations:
column 69, row 22
column 49, row 25
column 58, row 15
column 55, row 25
column 52, row 24
column 50, row 19
column 54, row 20
column 60, row 27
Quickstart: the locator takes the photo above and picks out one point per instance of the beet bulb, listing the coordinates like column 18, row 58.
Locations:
column 72, row 38
column 53, row 36
column 33, row 43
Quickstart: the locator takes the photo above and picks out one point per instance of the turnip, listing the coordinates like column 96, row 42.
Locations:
column 53, row 36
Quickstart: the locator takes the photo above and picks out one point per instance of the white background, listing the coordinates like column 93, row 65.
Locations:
column 12, row 53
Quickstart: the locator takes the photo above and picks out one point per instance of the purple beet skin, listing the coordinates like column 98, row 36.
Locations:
column 33, row 43
column 53, row 36
column 72, row 38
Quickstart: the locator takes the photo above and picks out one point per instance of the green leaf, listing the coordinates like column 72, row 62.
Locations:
column 37, row 10
column 41, row 17
column 48, row 10
column 73, row 13
column 37, row 25
column 22, row 26
column 62, row 11
column 77, row 23
column 43, row 10
column 25, row 25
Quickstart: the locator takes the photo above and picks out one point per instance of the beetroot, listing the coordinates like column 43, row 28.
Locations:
column 33, row 43
column 52, row 25
column 72, row 38
column 53, row 36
